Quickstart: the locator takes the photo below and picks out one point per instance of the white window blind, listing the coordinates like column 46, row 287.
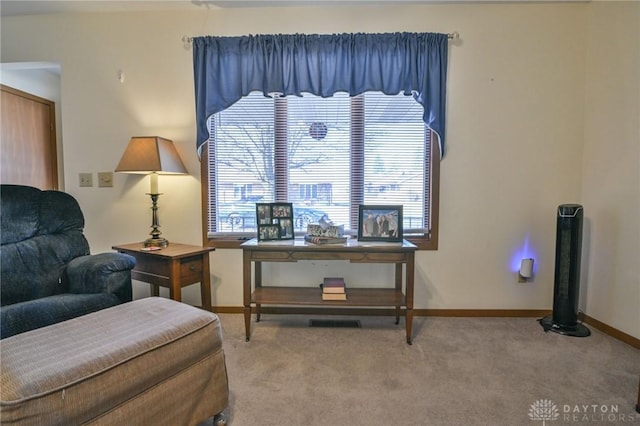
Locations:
column 325, row 155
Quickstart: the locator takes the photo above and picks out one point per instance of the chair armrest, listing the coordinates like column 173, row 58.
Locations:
column 101, row 273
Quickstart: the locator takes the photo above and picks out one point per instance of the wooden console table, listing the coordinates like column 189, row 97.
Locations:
column 295, row 250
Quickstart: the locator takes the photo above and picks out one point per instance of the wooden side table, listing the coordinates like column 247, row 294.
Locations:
column 175, row 266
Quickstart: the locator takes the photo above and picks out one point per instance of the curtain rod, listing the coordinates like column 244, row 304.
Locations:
column 451, row 36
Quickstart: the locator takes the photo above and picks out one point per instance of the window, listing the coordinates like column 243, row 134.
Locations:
column 324, row 155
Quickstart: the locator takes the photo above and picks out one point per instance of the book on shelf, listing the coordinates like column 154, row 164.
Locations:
column 333, row 285
column 324, row 240
column 334, row 296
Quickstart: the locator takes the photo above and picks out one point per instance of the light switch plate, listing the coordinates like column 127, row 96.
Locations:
column 105, row 179
column 85, row 180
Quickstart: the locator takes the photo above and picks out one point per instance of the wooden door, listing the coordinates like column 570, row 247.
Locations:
column 27, row 140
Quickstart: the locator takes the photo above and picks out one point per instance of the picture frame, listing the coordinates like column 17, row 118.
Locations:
column 275, row 221
column 380, row 222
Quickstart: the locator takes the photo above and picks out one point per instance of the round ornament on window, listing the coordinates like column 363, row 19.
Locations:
column 318, row 130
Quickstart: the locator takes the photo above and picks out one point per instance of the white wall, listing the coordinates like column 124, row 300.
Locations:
column 611, row 166
column 515, row 134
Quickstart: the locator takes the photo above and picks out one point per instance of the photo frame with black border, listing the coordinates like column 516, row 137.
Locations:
column 275, row 221
column 379, row 222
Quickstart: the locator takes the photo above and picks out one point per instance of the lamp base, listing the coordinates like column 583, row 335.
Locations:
column 156, row 242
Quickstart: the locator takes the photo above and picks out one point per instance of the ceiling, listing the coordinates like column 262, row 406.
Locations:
column 36, row 7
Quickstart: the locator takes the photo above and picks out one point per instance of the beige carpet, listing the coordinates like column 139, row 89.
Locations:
column 459, row 371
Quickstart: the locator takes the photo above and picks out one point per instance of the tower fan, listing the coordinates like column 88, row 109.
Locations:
column 566, row 289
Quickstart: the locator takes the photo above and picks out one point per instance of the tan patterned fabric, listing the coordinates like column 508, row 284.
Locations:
column 153, row 359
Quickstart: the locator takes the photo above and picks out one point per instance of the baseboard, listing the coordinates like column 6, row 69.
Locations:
column 469, row 313
column 482, row 313
column 513, row 313
column 228, row 309
column 613, row 332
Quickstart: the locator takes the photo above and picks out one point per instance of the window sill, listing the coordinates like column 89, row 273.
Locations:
column 423, row 243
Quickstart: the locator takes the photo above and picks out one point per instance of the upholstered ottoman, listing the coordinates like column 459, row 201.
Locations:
column 150, row 361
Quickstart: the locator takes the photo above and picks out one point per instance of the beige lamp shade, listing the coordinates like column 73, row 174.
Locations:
column 150, row 154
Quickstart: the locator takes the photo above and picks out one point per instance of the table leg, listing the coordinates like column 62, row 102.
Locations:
column 175, row 291
column 258, row 280
column 205, row 284
column 638, row 404
column 247, row 323
column 398, row 288
column 409, row 320
column 155, row 290
column 246, row 291
column 409, row 296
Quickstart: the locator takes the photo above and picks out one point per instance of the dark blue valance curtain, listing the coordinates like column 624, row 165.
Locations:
column 228, row 68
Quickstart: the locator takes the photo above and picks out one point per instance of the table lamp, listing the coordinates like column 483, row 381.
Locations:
column 152, row 155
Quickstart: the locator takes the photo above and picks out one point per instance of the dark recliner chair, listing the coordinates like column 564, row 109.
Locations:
column 47, row 273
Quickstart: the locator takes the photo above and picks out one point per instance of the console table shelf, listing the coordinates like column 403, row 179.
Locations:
column 313, row 296
column 398, row 254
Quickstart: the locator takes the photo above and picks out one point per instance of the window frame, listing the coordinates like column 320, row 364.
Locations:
column 427, row 241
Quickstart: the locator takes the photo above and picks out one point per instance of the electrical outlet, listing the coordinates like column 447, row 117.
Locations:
column 105, row 179
column 86, row 180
